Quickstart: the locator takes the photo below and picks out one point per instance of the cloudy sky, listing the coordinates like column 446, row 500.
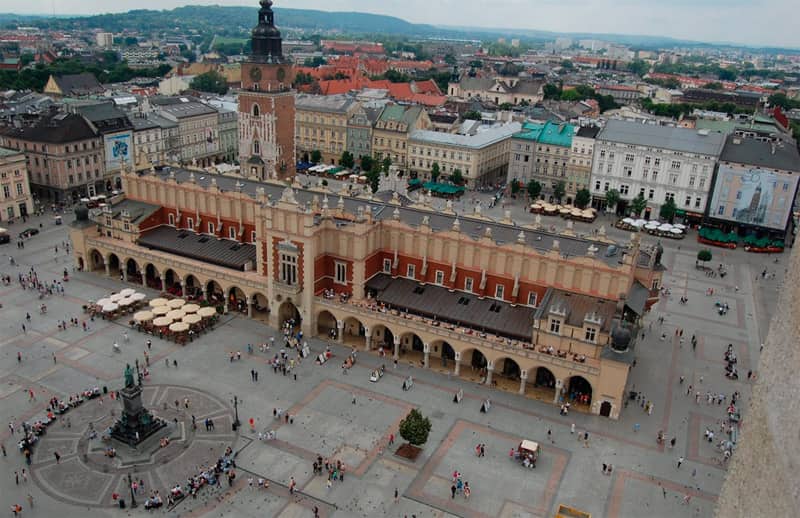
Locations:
column 754, row 22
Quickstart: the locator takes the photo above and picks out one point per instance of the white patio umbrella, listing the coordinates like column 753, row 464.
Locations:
column 111, row 306
column 191, row 308
column 138, row 296
column 125, row 302
column 179, row 327
column 176, row 303
column 629, row 221
column 665, row 227
column 207, row 311
column 194, row 318
column 116, row 297
column 127, row 292
column 161, row 310
column 158, row 302
column 176, row 314
column 676, row 231
column 162, row 321
column 680, row 226
column 103, row 302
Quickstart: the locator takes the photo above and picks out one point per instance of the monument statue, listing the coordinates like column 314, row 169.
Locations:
column 128, row 376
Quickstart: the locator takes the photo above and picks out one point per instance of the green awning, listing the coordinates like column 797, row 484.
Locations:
column 443, row 188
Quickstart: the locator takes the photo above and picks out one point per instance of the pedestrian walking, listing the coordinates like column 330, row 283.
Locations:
column 572, row 428
column 453, row 491
column 57, row 456
column 680, row 461
column 16, row 477
column 391, row 439
column 396, row 495
column 30, row 500
column 354, row 397
column 3, row 447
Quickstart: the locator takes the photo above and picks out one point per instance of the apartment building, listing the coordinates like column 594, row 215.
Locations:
column 579, row 170
column 541, row 152
column 16, row 200
column 321, row 125
column 392, row 129
column 198, row 127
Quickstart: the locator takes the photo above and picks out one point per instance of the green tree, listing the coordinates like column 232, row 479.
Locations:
column 714, row 85
column 638, row 67
column 473, row 115
column 726, row 74
column 559, row 190
column 435, row 171
column 316, row 156
column 551, row 91
column 704, row 255
column 212, row 81
column 515, row 186
column 374, row 178
column 130, row 41
column 667, row 211
column 457, row 177
column 534, row 189
column 567, row 64
column 387, row 163
column 450, row 59
column 638, row 204
column 582, row 198
column 314, row 62
column 347, row 160
column 612, row 197
column 415, row 428
column 366, row 163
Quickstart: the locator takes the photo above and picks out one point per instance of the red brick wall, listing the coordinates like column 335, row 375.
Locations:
column 325, row 274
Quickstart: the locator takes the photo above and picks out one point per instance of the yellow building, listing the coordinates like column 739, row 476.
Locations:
column 321, row 125
column 391, row 131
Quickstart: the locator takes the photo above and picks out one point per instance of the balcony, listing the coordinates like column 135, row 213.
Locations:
column 459, row 333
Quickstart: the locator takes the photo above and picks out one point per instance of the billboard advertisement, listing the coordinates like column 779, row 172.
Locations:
column 753, row 196
column 119, row 151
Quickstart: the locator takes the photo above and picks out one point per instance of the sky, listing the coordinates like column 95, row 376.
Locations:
column 751, row 22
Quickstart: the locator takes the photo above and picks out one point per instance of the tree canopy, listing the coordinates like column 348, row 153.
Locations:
column 668, row 209
column 347, row 160
column 559, row 190
column 582, row 198
column 638, row 204
column 534, row 189
column 316, row 156
column 212, row 81
column 612, row 197
column 415, row 428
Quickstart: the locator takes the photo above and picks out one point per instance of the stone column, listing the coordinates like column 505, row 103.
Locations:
column 426, row 350
column 108, row 268
column 559, row 384
column 457, row 369
column 396, row 348
column 340, row 331
column 163, row 282
column 124, row 274
column 489, row 371
column 144, row 278
column 367, row 339
column 523, row 379
column 183, row 287
column 249, row 308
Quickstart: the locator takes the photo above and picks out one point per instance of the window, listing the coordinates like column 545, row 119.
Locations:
column 532, row 298
column 555, row 326
column 669, row 196
column 591, row 334
column 647, row 160
column 341, row 273
column 655, row 176
column 597, row 185
column 629, row 157
column 655, row 284
column 411, row 270
column 697, row 202
column 702, row 182
column 288, row 269
column 692, row 180
column 171, row 219
column 738, row 195
column 675, row 164
column 498, row 291
column 387, row 266
column 623, row 189
column 721, row 210
column 211, row 228
column 673, row 179
column 189, row 223
column 256, row 148
column 232, row 232
column 6, row 191
column 657, row 162
column 627, row 172
column 439, row 277
column 606, row 187
column 688, row 201
column 468, row 284
column 602, row 153
column 252, row 236
column 19, row 188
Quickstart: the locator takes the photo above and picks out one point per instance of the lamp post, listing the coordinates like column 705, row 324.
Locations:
column 236, row 422
column 133, row 497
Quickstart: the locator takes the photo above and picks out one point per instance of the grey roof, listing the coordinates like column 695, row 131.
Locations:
column 474, row 228
column 78, row 84
column 587, row 131
column 665, row 137
column 203, row 247
column 637, row 298
column 577, row 307
column 55, row 128
column 324, row 103
column 478, row 141
column 138, row 210
column 142, row 123
column 182, row 106
column 5, row 152
column 742, row 150
column 459, row 308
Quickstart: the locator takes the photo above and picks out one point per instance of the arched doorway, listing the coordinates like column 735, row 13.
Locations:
column 151, row 277
column 237, row 300
column 382, row 339
column 412, row 348
column 326, row 325
column 473, row 365
column 114, row 266
column 605, row 409
column 81, row 264
column 192, row 287
column 354, row 333
column 132, row 271
column 506, row 375
column 445, row 352
column 172, row 283
column 260, row 307
column 579, row 392
column 96, row 261
column 214, row 293
column 541, row 384
column 288, row 313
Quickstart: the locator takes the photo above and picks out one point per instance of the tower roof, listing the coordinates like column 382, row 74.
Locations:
column 267, row 42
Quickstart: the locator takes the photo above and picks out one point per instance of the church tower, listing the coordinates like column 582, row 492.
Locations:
column 266, row 104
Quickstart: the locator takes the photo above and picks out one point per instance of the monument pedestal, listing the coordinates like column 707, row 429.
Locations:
column 136, row 423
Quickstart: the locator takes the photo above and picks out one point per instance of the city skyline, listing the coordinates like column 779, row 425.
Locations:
column 732, row 23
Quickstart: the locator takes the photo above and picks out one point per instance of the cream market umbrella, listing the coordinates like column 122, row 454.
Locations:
column 162, row 321
column 103, row 302
column 143, row 316
column 190, row 308
column 192, row 319
column 161, row 311
column 176, row 314
column 125, row 302
column 179, row 327
column 116, row 297
column 138, row 296
column 158, row 302
column 207, row 311
column 127, row 292
column 108, row 308
column 176, row 303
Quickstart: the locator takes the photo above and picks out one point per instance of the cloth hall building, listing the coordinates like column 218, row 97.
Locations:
column 551, row 316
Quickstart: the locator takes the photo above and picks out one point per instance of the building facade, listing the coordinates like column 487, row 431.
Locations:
column 198, row 128
column 113, row 125
column 321, row 125
column 267, row 104
column 359, row 132
column 658, row 162
column 65, row 157
column 229, row 135
column 391, row 131
column 541, row 152
column 16, row 200
column 482, row 157
column 579, row 171
column 499, row 90
column 526, row 311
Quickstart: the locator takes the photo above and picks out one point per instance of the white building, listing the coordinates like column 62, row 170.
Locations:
column 104, row 39
column 658, row 162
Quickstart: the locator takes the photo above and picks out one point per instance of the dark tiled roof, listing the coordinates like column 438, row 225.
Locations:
column 202, row 247
column 55, row 129
column 577, row 307
column 460, row 308
column 78, row 84
column 588, row 131
column 106, row 117
column 637, row 298
column 138, row 210
column 750, row 151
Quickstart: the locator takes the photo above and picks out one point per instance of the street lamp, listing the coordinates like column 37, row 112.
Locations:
column 236, row 422
column 133, row 498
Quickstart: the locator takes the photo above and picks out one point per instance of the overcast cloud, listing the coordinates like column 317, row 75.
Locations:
column 753, row 22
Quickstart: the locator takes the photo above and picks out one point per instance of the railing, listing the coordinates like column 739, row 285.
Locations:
column 198, row 268
column 532, row 354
